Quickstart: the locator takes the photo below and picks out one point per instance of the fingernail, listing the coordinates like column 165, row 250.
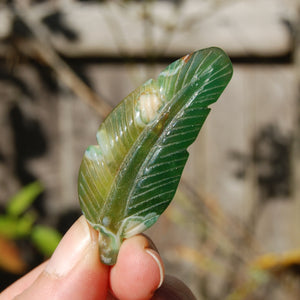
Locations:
column 71, row 249
column 159, row 263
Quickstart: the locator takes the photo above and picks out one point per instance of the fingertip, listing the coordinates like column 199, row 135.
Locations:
column 138, row 272
column 159, row 263
column 74, row 270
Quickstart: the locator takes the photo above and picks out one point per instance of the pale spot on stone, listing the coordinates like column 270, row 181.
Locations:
column 149, row 105
column 106, row 221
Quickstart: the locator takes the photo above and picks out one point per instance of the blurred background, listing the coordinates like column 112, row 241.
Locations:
column 232, row 231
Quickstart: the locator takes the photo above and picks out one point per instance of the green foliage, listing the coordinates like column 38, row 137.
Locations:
column 8, row 226
column 45, row 239
column 19, row 221
column 19, row 203
column 13, row 228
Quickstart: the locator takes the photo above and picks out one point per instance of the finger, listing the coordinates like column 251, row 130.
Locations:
column 172, row 288
column 74, row 271
column 23, row 283
column 138, row 272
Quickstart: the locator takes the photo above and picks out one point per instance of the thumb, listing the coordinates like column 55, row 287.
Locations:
column 74, row 270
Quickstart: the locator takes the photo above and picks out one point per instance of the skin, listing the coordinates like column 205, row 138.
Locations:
column 75, row 272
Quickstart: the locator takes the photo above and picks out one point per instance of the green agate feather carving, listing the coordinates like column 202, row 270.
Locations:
column 128, row 179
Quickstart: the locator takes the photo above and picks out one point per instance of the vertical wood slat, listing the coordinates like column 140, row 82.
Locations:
column 296, row 143
column 257, row 97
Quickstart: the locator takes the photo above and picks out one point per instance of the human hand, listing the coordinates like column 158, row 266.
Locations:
column 75, row 272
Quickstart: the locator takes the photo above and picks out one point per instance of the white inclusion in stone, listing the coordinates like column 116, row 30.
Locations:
column 105, row 145
column 134, row 224
column 149, row 105
column 93, row 153
column 106, row 221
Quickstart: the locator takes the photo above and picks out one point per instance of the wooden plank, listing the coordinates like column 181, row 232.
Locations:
column 250, row 131
column 241, row 27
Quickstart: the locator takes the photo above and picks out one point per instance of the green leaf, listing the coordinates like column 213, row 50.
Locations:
column 8, row 226
column 128, row 180
column 23, row 199
column 45, row 239
column 25, row 224
column 13, row 227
